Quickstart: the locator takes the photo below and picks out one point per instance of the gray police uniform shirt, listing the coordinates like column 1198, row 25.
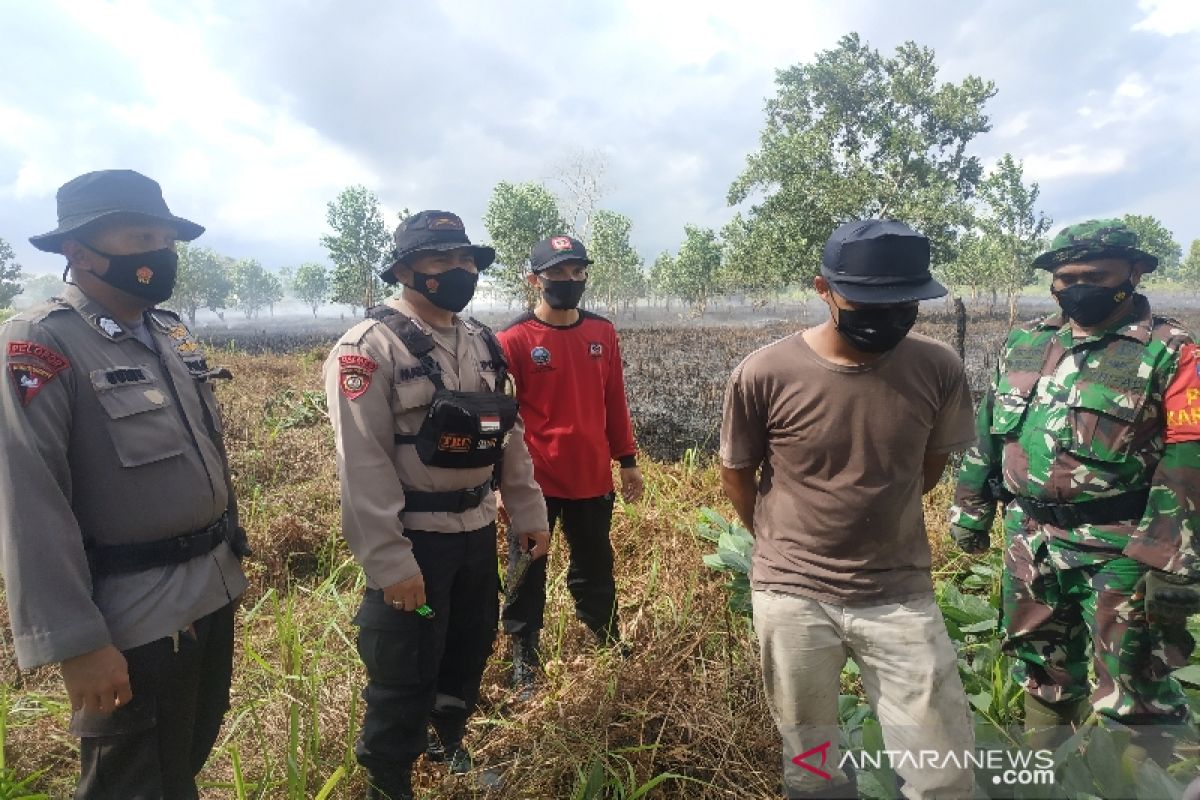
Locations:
column 106, row 441
column 377, row 389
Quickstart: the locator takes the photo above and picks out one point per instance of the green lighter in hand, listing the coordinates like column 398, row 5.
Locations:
column 425, row 611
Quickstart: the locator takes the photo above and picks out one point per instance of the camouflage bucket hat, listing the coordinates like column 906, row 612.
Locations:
column 1092, row 241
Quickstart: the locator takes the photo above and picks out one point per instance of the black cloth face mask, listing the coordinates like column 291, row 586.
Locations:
column 875, row 330
column 1090, row 305
column 562, row 295
column 450, row 290
column 150, row 275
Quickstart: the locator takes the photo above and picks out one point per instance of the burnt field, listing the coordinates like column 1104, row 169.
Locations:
column 675, row 372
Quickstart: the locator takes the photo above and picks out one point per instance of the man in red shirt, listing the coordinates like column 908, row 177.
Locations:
column 567, row 367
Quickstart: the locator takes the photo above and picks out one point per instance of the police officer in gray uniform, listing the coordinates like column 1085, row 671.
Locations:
column 425, row 432
column 119, row 536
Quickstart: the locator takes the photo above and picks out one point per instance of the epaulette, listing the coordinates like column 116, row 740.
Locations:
column 36, row 314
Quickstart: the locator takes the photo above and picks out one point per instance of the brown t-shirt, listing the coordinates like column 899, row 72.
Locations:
column 838, row 515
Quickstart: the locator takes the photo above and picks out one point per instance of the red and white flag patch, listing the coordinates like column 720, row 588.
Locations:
column 35, row 365
column 354, row 375
column 1182, row 399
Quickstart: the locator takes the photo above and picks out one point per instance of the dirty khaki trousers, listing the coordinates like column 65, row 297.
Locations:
column 909, row 672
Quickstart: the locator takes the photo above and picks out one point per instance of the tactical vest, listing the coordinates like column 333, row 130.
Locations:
column 461, row 430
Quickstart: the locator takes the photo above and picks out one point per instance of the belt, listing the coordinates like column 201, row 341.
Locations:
column 456, row 502
column 110, row 559
column 1127, row 506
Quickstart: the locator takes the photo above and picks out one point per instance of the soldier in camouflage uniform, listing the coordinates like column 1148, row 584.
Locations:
column 1090, row 434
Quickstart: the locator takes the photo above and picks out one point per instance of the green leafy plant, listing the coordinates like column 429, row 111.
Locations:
column 734, row 544
column 294, row 409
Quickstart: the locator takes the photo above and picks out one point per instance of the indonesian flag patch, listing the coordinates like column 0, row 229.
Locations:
column 354, row 375
column 489, row 424
column 1182, row 400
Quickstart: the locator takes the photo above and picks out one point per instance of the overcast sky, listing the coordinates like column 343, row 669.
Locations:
column 253, row 115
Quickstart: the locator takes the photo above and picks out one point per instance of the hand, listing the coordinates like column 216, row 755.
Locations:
column 969, row 541
column 501, row 511
column 537, row 544
column 97, row 681
column 406, row 595
column 631, row 484
column 1170, row 598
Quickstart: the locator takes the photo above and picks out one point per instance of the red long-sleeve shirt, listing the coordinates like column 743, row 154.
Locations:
column 572, row 393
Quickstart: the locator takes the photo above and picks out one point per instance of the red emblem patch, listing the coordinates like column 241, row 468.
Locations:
column 37, row 367
column 595, row 349
column 49, row 357
column 560, row 243
column 29, row 380
column 355, row 375
column 1182, row 399
column 144, row 275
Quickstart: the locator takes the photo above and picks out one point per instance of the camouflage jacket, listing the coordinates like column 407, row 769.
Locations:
column 1072, row 421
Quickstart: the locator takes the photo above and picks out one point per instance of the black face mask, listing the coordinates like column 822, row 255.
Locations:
column 450, row 290
column 875, row 330
column 150, row 275
column 562, row 295
column 1090, row 305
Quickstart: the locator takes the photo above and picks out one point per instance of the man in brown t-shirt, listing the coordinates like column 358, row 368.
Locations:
column 829, row 438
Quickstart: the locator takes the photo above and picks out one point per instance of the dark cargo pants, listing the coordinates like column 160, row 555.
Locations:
column 152, row 748
column 427, row 669
column 585, row 524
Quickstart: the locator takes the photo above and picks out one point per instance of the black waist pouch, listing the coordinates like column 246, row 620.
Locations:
column 464, row 430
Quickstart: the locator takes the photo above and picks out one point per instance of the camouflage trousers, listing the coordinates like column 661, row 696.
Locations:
column 1058, row 599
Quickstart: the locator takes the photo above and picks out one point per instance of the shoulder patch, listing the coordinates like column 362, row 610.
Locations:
column 354, row 374
column 31, row 366
column 1182, row 398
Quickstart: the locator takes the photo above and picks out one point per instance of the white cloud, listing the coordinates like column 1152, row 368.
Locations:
column 1169, row 17
column 1073, row 161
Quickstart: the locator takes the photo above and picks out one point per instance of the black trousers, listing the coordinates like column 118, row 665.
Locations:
column 427, row 669
column 152, row 748
column 585, row 524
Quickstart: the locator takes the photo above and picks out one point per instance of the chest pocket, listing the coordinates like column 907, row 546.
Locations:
column 411, row 399
column 1011, row 402
column 1106, row 406
column 139, row 416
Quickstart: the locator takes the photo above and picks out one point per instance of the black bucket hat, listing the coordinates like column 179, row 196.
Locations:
column 431, row 231
column 106, row 193
column 555, row 250
column 879, row 261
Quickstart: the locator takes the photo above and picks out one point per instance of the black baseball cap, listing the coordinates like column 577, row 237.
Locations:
column 879, row 261
column 106, row 193
column 433, row 231
column 555, row 250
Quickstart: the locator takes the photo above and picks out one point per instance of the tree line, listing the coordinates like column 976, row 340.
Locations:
column 851, row 134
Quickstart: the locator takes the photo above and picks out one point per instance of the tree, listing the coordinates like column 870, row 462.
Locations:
column 660, row 277
column 696, row 274
column 10, row 274
column 517, row 217
column 616, row 276
column 855, row 135
column 203, row 281
column 582, row 178
column 254, row 288
column 1189, row 270
column 358, row 247
column 311, row 284
column 1013, row 230
column 1154, row 238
